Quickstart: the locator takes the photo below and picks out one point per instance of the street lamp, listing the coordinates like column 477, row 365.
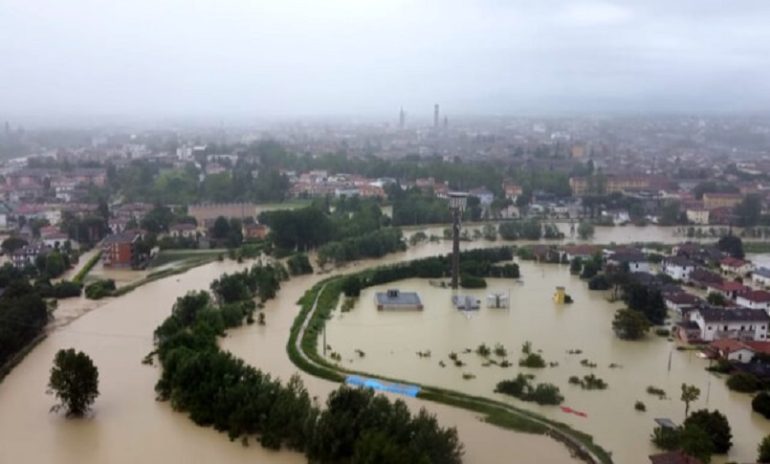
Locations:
column 457, row 202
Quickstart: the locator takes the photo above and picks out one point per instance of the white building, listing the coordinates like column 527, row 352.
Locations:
column 678, row 268
column 735, row 266
column 698, row 216
column 754, row 299
column 733, row 323
column 761, row 277
column 636, row 260
column 681, row 302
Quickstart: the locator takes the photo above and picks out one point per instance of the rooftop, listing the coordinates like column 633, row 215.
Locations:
column 733, row 315
column 122, row 237
column 762, row 271
column 397, row 297
column 757, row 296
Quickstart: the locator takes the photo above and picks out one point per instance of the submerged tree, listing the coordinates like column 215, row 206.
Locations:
column 74, row 381
column 690, row 393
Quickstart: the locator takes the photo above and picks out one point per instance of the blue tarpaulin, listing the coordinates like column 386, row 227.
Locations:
column 380, row 385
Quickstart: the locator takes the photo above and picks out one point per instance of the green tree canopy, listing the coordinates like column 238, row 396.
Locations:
column 74, row 381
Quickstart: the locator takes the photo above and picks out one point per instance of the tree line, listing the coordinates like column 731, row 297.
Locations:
column 216, row 389
column 476, row 263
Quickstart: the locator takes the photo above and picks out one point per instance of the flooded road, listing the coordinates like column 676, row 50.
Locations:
column 391, row 339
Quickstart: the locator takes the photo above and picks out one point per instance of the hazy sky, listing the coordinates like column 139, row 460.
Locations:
column 347, row 57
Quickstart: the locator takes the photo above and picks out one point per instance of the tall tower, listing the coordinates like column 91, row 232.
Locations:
column 457, row 202
column 401, row 118
column 435, row 116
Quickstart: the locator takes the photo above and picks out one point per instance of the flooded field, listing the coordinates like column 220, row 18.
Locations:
column 391, row 340
column 603, row 235
column 128, row 425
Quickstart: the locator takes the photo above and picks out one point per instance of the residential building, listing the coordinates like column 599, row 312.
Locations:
column 183, row 231
column 27, row 255
column 678, row 267
column 119, row 250
column 735, row 266
column 729, row 289
column 754, row 299
column 735, row 323
column 681, row 302
column 53, row 237
column 738, row 351
column 703, row 278
column 585, row 251
column 761, row 277
column 635, row 259
column 698, row 216
column 721, row 200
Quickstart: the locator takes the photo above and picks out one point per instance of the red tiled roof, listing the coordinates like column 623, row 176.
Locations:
column 757, row 296
column 728, row 286
column 728, row 345
column 732, row 262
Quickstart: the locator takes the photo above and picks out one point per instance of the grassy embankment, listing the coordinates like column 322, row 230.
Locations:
column 81, row 275
column 494, row 412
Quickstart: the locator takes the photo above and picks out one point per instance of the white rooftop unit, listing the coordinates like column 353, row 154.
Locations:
column 499, row 300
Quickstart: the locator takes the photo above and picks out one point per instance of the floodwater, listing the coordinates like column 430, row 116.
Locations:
column 128, row 426
column 391, row 340
column 602, row 235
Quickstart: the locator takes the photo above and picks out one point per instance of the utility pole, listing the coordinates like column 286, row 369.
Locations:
column 457, row 202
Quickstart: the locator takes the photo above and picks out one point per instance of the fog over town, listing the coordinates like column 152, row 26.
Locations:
column 406, row 231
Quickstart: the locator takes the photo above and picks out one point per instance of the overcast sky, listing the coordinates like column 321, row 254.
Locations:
column 229, row 58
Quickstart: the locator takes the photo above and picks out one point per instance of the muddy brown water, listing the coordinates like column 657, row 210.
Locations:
column 128, row 426
column 391, row 340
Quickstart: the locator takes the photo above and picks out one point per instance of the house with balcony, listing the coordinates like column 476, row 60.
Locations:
column 729, row 323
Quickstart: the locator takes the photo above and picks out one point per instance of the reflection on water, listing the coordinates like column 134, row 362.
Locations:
column 391, row 340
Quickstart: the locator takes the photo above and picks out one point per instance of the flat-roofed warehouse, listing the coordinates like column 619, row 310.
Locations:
column 396, row 299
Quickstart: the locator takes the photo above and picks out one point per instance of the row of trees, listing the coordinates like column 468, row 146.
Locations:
column 218, row 390
column 529, row 230
column 373, row 244
column 151, row 181
column 23, row 315
column 259, row 280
